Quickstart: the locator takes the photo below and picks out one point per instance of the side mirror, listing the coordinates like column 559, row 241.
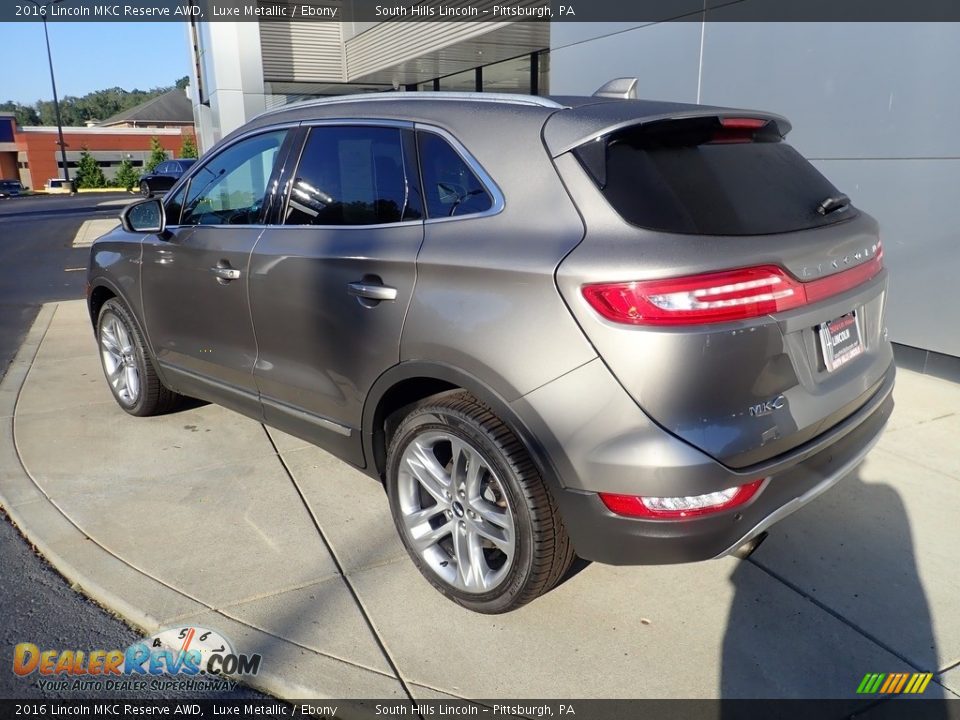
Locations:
column 144, row 217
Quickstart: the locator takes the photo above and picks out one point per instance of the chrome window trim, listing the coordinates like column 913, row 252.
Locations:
column 498, row 202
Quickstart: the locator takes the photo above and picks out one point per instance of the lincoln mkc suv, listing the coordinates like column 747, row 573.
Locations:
column 636, row 332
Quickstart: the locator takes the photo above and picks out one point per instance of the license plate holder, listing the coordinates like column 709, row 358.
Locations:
column 840, row 340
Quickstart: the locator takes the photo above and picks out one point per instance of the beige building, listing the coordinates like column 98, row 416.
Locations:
column 240, row 69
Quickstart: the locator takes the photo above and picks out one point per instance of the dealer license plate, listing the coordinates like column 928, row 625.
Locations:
column 840, row 341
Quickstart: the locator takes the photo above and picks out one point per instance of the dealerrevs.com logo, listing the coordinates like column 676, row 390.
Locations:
column 190, row 658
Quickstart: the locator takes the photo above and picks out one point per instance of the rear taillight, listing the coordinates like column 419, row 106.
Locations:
column 720, row 296
column 683, row 507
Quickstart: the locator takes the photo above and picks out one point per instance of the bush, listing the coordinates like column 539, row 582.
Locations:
column 127, row 176
column 89, row 174
column 157, row 155
column 189, row 147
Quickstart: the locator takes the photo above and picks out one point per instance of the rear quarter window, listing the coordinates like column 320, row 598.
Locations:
column 692, row 178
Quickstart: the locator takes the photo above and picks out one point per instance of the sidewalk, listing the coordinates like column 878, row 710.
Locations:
column 205, row 517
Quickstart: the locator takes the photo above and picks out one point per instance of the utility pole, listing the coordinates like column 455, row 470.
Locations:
column 53, row 83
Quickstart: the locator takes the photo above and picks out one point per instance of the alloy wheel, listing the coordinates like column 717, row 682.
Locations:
column 119, row 359
column 455, row 511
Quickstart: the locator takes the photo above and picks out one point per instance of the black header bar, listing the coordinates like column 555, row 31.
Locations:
column 368, row 11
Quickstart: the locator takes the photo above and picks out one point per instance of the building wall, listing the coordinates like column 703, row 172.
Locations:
column 107, row 145
column 873, row 105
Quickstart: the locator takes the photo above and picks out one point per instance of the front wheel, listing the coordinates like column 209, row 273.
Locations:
column 145, row 190
column 473, row 512
column 127, row 366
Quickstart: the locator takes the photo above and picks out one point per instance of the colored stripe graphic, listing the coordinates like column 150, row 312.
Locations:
column 894, row 683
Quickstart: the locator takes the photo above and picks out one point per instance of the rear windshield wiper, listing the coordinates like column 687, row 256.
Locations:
column 832, row 204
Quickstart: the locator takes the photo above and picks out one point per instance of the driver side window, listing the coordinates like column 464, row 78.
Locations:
column 231, row 188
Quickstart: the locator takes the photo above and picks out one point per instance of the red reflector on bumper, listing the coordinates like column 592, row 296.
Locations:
column 682, row 507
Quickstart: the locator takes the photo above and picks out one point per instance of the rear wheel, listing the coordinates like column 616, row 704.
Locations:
column 126, row 365
column 145, row 190
column 473, row 512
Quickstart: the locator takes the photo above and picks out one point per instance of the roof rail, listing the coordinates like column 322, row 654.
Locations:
column 512, row 98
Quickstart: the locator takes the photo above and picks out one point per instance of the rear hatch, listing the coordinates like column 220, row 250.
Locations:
column 733, row 291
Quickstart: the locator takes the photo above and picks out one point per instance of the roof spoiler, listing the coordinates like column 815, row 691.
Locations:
column 624, row 88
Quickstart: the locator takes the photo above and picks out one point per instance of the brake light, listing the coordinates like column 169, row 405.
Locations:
column 680, row 508
column 720, row 296
column 743, row 123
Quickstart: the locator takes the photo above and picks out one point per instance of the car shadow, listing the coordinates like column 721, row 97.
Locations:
column 850, row 555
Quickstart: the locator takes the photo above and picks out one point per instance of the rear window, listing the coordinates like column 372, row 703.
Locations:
column 695, row 176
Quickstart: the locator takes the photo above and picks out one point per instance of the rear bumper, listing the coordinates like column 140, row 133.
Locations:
column 794, row 480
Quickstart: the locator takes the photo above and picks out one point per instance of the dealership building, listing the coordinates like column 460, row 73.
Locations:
column 32, row 154
column 872, row 106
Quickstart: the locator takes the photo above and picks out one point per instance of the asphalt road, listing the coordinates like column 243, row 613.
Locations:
column 37, row 265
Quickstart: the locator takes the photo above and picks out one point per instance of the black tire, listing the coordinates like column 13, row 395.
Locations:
column 543, row 552
column 153, row 397
column 145, row 190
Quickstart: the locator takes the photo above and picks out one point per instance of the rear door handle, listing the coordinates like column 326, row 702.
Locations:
column 372, row 291
column 225, row 273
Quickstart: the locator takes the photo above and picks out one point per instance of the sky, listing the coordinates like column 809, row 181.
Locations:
column 90, row 56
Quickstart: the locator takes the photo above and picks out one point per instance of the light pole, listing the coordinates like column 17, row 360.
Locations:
column 53, row 83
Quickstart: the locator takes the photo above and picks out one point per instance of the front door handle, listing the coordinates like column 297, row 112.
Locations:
column 372, row 291
column 225, row 274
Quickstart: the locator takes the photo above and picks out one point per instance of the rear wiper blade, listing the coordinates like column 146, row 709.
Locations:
column 831, row 204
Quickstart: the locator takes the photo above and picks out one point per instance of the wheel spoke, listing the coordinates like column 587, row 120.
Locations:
column 123, row 338
column 425, row 468
column 109, row 341
column 502, row 539
column 470, row 561
column 431, row 536
column 132, row 381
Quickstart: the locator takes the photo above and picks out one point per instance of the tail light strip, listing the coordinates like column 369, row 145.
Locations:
column 721, row 296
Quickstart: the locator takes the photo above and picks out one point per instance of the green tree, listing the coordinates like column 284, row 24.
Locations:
column 189, row 147
column 89, row 174
column 182, row 82
column 25, row 115
column 157, row 155
column 127, row 175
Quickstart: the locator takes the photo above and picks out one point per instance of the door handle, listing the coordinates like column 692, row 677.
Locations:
column 372, row 291
column 225, row 274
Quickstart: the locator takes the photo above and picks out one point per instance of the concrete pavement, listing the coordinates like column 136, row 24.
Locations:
column 206, row 517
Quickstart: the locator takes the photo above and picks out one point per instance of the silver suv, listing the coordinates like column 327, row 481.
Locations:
column 638, row 332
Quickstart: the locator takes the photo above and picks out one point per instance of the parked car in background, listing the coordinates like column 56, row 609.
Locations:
column 164, row 176
column 10, row 188
column 58, row 185
column 637, row 331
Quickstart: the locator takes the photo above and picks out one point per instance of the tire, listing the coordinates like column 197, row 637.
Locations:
column 462, row 485
column 145, row 190
column 128, row 369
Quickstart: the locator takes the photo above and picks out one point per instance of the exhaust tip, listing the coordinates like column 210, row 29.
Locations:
column 750, row 546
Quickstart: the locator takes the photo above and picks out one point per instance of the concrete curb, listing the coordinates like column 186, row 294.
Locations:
column 44, row 524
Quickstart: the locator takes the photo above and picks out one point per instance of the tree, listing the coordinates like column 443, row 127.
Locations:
column 157, row 155
column 189, row 147
column 89, row 174
column 182, row 82
column 24, row 114
column 127, row 175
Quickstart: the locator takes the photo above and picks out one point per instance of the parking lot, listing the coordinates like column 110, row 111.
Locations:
column 206, row 517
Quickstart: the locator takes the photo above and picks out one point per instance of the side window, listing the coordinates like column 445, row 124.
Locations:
column 231, row 188
column 450, row 187
column 353, row 176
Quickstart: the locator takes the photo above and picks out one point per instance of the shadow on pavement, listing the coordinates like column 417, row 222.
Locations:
column 855, row 537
